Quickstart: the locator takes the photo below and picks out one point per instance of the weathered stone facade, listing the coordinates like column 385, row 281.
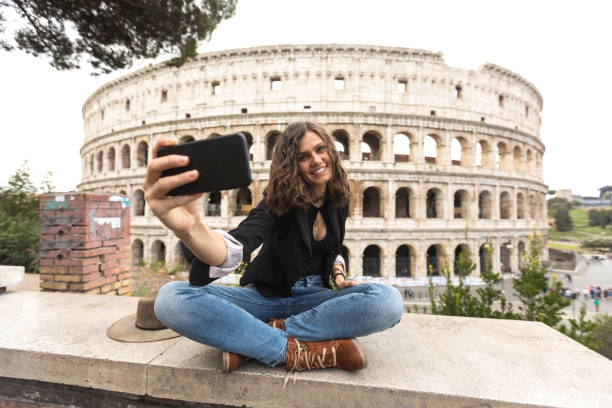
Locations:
column 440, row 159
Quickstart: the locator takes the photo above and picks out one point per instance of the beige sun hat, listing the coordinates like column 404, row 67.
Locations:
column 141, row 327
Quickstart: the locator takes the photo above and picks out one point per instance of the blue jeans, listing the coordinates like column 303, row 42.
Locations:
column 234, row 318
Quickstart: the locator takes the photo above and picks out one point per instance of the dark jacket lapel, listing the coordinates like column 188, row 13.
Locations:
column 302, row 221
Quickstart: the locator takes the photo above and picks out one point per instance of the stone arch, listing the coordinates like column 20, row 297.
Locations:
column 125, row 156
column 485, row 205
column 483, row 154
column 371, row 202
column 517, row 157
column 434, row 203
column 482, row 257
column 404, row 203
column 244, row 201
column 342, row 143
column 501, row 156
column 402, row 143
column 434, row 259
column 529, row 161
column 505, row 255
column 371, row 151
column 533, row 206
column 460, row 249
column 179, row 257
column 139, row 203
column 142, row 154
column 123, row 193
column 213, row 135
column 520, row 206
column 212, row 204
column 158, row 253
column 432, row 148
column 110, row 159
column 186, row 139
column 371, row 260
column 91, row 163
column 346, row 254
column 505, row 206
column 521, row 253
column 100, row 161
column 404, row 261
column 271, row 138
column 459, row 151
column 137, row 252
column 461, row 204
column 250, row 146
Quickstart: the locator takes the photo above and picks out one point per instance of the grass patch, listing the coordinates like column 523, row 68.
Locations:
column 568, row 247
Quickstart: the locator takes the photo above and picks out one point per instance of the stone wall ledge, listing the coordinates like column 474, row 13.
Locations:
column 425, row 361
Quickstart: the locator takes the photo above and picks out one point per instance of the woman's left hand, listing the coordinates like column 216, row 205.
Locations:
column 346, row 284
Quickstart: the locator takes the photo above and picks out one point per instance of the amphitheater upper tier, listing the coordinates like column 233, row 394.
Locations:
column 429, row 148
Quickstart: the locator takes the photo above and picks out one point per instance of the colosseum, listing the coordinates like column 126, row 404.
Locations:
column 441, row 160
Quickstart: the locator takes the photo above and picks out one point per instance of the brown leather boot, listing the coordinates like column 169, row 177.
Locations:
column 311, row 355
column 232, row 361
column 278, row 323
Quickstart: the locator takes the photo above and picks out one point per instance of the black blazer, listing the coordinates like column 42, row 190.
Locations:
column 286, row 247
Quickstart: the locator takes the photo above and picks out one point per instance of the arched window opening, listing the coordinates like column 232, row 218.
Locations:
column 483, row 154
column 271, row 139
column 372, row 140
column 110, row 159
column 505, row 206
column 250, row 146
column 342, row 143
column 371, row 261
column 403, row 261
column 244, row 201
column 485, row 204
column 186, row 139
column 402, row 203
column 142, row 154
column 460, row 204
column 520, row 206
column 139, row 203
column 505, row 254
column 456, row 152
column 483, row 257
column 125, row 157
column 137, row 252
column 434, row 204
column 213, row 135
column 460, row 250
column 346, row 255
column 179, row 257
column 521, row 253
column 518, row 159
column 533, row 206
column 458, row 92
column 501, row 154
column 529, row 161
column 123, row 193
column 158, row 252
column 100, row 161
column 212, row 205
column 91, row 163
column 371, row 202
column 401, row 148
column 434, row 258
column 430, row 149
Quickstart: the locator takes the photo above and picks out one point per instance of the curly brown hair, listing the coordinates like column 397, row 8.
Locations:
column 287, row 188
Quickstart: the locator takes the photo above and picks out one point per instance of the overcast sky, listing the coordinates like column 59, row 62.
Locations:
column 562, row 47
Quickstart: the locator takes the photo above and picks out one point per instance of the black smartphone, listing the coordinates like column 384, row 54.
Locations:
column 222, row 164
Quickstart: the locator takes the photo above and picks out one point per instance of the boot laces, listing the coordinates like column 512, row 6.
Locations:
column 311, row 361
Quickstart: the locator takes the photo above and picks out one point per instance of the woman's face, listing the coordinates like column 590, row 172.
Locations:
column 314, row 162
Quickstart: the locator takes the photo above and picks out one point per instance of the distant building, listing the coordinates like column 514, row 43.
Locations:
column 605, row 191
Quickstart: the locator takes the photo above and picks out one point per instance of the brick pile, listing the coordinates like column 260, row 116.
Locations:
column 85, row 243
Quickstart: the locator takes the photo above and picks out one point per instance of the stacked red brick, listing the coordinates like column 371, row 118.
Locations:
column 85, row 243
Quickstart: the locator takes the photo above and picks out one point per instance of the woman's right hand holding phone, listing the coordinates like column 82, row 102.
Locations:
column 179, row 213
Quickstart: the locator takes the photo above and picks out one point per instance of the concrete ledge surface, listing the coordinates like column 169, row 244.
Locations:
column 425, row 361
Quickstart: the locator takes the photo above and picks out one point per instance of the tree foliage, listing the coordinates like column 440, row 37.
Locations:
column 19, row 221
column 557, row 203
column 604, row 243
column 110, row 34
column 603, row 333
column 563, row 221
column 601, row 218
column 538, row 301
column 583, row 330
